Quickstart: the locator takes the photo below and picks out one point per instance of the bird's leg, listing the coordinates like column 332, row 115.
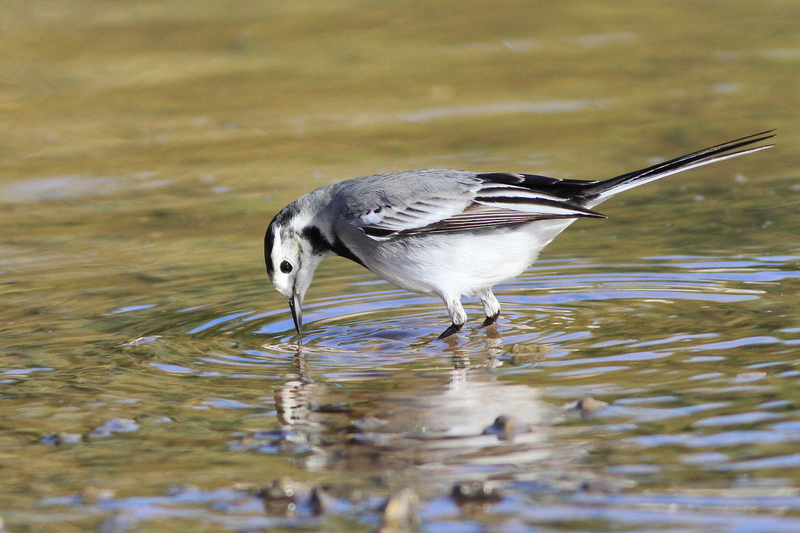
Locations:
column 457, row 314
column 490, row 306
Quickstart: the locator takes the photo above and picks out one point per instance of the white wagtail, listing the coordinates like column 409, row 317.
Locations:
column 446, row 233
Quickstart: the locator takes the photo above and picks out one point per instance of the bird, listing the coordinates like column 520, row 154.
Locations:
column 447, row 233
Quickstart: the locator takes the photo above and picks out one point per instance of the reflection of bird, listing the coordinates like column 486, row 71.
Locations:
column 447, row 233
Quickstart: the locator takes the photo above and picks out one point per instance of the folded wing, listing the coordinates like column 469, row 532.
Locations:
column 492, row 202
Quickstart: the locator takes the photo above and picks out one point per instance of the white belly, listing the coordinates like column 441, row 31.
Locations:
column 462, row 263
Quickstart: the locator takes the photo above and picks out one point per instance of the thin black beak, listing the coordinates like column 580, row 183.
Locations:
column 297, row 312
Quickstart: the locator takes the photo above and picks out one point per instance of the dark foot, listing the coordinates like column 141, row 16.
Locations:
column 449, row 331
column 489, row 320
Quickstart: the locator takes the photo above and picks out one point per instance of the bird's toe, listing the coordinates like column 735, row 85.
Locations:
column 453, row 328
column 489, row 320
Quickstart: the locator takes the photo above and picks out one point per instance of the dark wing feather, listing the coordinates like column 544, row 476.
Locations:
column 562, row 188
column 491, row 204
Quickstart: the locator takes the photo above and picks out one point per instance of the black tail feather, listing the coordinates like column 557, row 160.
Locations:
column 684, row 162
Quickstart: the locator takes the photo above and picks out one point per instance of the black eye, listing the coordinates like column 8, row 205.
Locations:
column 286, row 266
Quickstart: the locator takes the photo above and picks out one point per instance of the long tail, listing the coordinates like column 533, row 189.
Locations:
column 596, row 193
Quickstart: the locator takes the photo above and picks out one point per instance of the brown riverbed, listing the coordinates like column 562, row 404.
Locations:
column 151, row 379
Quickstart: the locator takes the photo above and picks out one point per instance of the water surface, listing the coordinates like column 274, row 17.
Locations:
column 151, row 379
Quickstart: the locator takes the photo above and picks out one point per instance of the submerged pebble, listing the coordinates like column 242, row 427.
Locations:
column 606, row 485
column 587, row 407
column 92, row 495
column 61, row 438
column 521, row 353
column 281, row 496
column 319, row 501
column 475, row 492
column 367, row 423
column 505, row 427
column 115, row 425
column 400, row 512
column 282, row 488
column 280, row 439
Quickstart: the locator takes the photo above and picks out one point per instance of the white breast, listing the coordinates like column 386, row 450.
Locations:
column 460, row 263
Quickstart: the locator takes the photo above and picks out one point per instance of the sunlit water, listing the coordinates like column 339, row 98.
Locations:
column 152, row 380
column 370, row 392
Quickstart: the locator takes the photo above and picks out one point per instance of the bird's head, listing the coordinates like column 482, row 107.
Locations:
column 291, row 259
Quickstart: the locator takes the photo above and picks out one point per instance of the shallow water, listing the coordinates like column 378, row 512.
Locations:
column 151, row 379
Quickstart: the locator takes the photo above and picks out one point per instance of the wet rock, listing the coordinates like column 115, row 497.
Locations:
column 587, row 407
column 401, row 513
column 475, row 492
column 505, row 427
column 61, row 438
column 92, row 495
column 521, row 353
